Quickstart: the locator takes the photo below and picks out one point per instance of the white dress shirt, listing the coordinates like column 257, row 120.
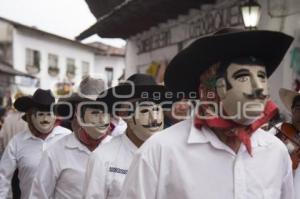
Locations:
column 62, row 170
column 24, row 152
column 183, row 162
column 107, row 168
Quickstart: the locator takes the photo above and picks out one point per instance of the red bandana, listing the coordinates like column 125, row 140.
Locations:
column 111, row 127
column 89, row 142
column 243, row 132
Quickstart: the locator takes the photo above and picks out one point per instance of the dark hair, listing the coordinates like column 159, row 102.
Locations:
column 295, row 100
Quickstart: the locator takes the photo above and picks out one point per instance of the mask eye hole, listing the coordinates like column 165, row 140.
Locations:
column 155, row 109
column 242, row 77
column 144, row 111
column 262, row 76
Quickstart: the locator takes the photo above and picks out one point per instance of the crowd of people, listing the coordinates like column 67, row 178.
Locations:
column 125, row 142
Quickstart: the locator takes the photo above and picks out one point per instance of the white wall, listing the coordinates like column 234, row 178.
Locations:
column 45, row 45
column 283, row 76
column 116, row 62
column 179, row 31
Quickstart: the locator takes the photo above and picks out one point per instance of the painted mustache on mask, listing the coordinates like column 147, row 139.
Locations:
column 256, row 95
column 152, row 125
column 104, row 125
column 44, row 122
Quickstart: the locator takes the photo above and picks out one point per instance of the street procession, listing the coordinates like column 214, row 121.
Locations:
column 162, row 99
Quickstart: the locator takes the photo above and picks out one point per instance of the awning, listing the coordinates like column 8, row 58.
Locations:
column 6, row 68
column 135, row 16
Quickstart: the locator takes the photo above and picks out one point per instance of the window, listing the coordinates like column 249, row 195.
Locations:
column 53, row 69
column 33, row 59
column 85, row 68
column 71, row 68
column 110, row 75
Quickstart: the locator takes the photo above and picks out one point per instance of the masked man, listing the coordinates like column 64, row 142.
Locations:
column 24, row 151
column 109, row 164
column 62, row 169
column 221, row 152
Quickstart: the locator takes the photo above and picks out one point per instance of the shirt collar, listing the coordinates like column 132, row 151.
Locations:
column 132, row 147
column 206, row 135
column 73, row 143
column 28, row 135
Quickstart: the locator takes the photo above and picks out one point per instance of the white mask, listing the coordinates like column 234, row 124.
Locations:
column 95, row 122
column 148, row 119
column 241, row 101
column 43, row 121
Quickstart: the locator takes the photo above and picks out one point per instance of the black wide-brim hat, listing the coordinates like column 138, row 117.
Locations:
column 66, row 106
column 182, row 73
column 41, row 99
column 142, row 87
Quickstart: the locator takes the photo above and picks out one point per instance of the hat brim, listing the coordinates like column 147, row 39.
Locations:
column 23, row 104
column 24, row 117
column 127, row 93
column 287, row 97
column 182, row 74
column 62, row 109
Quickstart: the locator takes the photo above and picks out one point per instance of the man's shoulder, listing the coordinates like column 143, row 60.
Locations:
column 176, row 131
column 171, row 137
column 267, row 139
column 59, row 145
column 21, row 136
column 59, row 130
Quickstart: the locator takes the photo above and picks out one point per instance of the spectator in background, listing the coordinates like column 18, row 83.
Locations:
column 13, row 124
column 2, row 115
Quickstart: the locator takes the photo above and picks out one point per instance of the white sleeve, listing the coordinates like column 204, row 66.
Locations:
column 44, row 182
column 8, row 165
column 297, row 182
column 287, row 189
column 141, row 180
column 95, row 183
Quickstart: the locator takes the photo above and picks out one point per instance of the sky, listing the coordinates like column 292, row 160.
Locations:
column 67, row 18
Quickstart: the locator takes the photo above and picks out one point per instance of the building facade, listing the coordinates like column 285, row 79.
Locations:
column 57, row 63
column 175, row 24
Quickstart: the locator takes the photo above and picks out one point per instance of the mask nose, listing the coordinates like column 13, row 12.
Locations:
column 154, row 114
column 257, row 87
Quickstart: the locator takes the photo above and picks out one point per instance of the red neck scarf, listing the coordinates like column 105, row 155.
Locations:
column 243, row 132
column 89, row 142
column 112, row 126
